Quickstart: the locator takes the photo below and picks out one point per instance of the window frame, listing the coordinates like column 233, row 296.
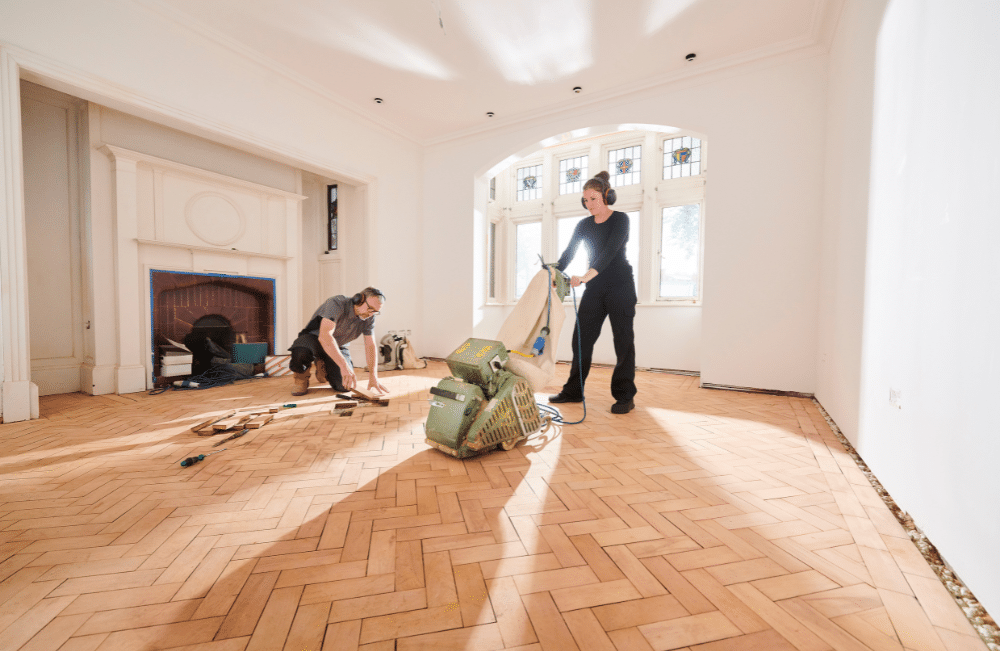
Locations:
column 686, row 199
column 539, row 176
column 332, row 217
column 662, row 141
column 511, row 283
column 557, row 162
column 625, row 143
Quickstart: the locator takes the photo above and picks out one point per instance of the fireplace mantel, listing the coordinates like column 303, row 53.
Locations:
column 174, row 217
column 214, row 250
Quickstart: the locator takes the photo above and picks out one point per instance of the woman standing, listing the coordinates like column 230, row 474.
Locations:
column 610, row 293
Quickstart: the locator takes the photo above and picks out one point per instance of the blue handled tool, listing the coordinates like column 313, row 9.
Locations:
column 190, row 461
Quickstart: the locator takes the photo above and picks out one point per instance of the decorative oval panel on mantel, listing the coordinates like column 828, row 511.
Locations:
column 214, row 218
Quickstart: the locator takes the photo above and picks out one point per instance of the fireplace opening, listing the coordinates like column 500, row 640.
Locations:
column 193, row 308
column 211, row 337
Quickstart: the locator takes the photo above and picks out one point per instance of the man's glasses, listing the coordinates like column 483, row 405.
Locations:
column 371, row 311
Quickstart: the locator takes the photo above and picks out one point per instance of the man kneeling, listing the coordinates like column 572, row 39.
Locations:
column 336, row 323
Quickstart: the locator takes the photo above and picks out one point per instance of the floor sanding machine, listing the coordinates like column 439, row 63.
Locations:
column 489, row 401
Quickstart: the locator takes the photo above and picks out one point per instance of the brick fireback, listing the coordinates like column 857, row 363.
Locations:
column 180, row 299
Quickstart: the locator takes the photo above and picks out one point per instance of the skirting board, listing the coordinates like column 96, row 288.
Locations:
column 770, row 392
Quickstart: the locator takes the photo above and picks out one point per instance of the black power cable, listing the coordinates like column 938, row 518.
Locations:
column 216, row 376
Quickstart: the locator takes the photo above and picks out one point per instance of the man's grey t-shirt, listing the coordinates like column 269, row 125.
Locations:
column 340, row 310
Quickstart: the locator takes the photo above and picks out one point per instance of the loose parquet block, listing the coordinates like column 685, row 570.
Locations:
column 703, row 520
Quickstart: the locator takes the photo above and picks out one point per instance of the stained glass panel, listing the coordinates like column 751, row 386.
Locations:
column 625, row 166
column 529, row 183
column 681, row 157
column 331, row 205
column 572, row 174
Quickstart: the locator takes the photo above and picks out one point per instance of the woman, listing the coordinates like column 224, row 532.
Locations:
column 610, row 293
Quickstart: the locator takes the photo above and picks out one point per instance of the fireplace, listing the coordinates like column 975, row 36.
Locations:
column 179, row 300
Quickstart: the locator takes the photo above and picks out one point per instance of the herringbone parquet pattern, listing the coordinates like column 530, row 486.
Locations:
column 704, row 520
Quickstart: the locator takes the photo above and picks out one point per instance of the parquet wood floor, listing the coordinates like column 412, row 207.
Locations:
column 704, row 520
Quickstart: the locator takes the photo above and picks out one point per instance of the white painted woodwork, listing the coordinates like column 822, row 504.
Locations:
column 18, row 395
column 52, row 216
column 330, row 280
column 174, row 217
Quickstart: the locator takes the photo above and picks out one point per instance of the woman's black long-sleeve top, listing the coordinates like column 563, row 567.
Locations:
column 605, row 243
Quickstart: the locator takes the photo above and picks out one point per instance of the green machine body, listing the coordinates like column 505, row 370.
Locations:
column 483, row 405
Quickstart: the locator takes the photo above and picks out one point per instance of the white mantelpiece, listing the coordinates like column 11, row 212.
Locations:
column 174, row 217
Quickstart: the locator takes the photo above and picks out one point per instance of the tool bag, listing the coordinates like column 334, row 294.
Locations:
column 396, row 352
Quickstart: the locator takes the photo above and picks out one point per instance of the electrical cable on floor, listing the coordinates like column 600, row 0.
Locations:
column 216, row 376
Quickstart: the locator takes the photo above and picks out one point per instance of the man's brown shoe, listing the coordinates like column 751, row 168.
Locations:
column 320, row 371
column 300, row 383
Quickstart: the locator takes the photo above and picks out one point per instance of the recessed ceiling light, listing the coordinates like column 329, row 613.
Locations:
column 378, row 100
column 577, row 89
column 489, row 114
column 689, row 58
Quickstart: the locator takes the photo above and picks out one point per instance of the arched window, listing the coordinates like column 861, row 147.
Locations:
column 659, row 177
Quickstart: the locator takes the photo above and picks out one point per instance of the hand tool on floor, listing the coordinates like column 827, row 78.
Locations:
column 190, row 461
column 230, row 438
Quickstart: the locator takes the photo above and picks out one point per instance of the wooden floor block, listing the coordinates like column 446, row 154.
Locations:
column 686, row 631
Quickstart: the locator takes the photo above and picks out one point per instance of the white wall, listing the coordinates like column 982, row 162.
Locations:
column 765, row 124
column 932, row 308
column 845, row 219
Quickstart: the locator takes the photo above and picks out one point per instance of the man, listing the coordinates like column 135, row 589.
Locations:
column 337, row 322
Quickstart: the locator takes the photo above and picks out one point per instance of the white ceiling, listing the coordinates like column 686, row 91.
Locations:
column 517, row 58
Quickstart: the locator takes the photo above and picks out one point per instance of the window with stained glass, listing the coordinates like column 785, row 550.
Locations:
column 331, row 219
column 572, row 174
column 681, row 157
column 625, row 166
column 680, row 252
column 529, row 183
column 521, row 222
